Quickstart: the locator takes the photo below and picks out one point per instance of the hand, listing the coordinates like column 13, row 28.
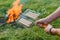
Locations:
column 41, row 22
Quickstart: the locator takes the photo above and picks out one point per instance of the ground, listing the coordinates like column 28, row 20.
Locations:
column 45, row 7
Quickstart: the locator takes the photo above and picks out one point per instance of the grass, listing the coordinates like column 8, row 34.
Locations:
column 45, row 7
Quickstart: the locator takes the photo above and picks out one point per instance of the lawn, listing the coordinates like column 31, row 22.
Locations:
column 45, row 7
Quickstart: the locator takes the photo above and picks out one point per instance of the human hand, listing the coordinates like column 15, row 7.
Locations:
column 41, row 22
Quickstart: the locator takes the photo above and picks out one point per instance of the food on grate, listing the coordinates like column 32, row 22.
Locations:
column 25, row 22
column 32, row 15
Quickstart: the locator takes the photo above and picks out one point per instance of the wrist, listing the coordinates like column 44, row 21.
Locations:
column 47, row 20
column 48, row 28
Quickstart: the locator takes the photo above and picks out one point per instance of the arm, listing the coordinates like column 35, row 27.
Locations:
column 43, row 22
column 51, row 30
column 53, row 16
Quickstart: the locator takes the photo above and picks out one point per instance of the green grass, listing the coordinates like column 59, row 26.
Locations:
column 45, row 7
